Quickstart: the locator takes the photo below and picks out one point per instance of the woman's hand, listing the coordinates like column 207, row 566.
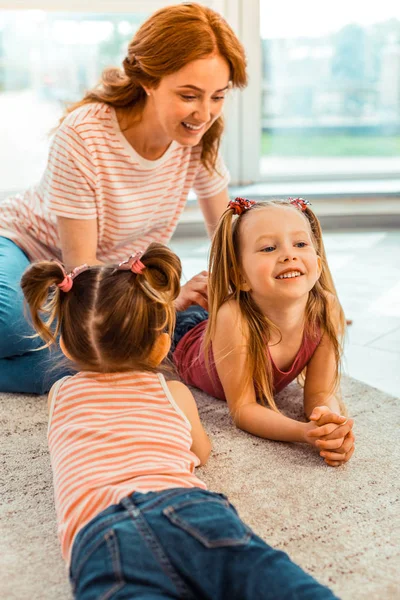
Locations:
column 193, row 292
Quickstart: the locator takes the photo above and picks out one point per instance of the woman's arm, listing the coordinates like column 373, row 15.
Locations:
column 78, row 238
column 212, row 209
column 201, row 445
column 230, row 354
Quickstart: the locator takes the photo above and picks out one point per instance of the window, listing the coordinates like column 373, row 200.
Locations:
column 330, row 98
column 51, row 52
column 47, row 60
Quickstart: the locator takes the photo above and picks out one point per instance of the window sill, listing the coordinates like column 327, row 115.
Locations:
column 338, row 205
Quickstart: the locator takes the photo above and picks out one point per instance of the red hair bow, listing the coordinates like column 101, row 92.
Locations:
column 240, row 205
column 300, row 203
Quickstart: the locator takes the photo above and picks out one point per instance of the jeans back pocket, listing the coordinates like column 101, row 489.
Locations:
column 98, row 568
column 211, row 521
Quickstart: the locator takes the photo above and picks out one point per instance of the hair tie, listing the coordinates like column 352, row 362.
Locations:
column 300, row 203
column 240, row 205
column 131, row 58
column 133, row 264
column 67, row 282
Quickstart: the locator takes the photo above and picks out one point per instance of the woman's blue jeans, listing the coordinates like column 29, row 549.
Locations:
column 182, row 544
column 21, row 369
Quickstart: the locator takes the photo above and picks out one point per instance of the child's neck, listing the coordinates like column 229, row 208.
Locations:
column 288, row 317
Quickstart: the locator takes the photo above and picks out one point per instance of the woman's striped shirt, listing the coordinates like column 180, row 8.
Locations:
column 94, row 173
column 110, row 435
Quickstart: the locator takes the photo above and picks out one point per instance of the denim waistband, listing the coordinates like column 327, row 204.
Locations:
column 145, row 500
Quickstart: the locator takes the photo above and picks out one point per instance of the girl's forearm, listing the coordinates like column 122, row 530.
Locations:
column 266, row 423
column 332, row 401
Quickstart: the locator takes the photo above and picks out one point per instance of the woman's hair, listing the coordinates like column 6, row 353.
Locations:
column 225, row 277
column 167, row 41
column 110, row 318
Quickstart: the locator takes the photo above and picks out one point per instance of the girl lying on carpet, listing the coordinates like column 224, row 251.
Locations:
column 134, row 520
column 274, row 315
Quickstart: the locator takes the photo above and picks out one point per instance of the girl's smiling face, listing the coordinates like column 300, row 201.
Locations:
column 185, row 104
column 278, row 259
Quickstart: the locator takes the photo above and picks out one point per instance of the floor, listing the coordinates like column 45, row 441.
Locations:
column 366, row 270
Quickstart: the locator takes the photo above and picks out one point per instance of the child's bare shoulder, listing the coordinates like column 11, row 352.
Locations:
column 177, row 387
column 230, row 318
column 229, row 312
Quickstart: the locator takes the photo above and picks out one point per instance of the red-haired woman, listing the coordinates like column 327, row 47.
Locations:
column 120, row 168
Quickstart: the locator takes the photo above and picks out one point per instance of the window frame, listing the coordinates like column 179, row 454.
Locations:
column 243, row 118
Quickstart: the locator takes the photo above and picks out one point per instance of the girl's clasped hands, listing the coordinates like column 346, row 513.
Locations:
column 332, row 434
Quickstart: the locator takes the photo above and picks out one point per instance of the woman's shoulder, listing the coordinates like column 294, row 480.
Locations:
column 95, row 114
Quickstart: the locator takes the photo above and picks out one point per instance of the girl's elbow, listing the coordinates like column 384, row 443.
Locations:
column 204, row 453
column 239, row 417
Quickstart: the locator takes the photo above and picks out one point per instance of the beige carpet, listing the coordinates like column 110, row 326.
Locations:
column 338, row 524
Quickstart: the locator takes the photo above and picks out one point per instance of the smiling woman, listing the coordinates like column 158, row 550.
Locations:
column 120, row 168
column 182, row 107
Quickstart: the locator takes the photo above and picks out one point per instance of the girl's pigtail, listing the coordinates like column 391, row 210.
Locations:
column 39, row 285
column 160, row 281
column 326, row 279
column 225, row 281
column 323, row 306
column 164, row 270
column 221, row 271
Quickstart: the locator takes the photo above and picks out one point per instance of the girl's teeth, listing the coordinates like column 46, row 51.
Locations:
column 288, row 275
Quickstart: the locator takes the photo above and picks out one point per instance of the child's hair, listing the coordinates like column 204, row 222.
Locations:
column 166, row 42
column 110, row 318
column 225, row 284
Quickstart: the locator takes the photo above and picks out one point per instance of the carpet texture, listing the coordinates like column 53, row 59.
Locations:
column 338, row 524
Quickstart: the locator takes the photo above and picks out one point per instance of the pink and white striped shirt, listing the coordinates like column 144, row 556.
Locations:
column 111, row 435
column 94, row 173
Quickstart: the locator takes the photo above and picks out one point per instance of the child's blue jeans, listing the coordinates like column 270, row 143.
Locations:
column 21, row 370
column 182, row 544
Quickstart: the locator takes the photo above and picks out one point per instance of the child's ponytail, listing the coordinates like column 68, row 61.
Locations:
column 222, row 262
column 323, row 307
column 225, row 282
column 326, row 279
column 40, row 285
column 141, row 292
column 160, row 280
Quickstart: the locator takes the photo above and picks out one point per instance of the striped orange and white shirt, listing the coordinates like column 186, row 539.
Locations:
column 111, row 435
column 94, row 173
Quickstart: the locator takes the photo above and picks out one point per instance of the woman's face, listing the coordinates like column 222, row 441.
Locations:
column 186, row 103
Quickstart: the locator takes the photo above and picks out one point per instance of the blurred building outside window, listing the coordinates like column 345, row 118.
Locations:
column 329, row 80
column 47, row 61
column 330, row 89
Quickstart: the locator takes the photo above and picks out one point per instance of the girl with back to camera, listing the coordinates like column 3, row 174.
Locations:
column 134, row 520
column 120, row 168
column 274, row 314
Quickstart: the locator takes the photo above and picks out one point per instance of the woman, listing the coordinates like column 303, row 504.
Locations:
column 120, row 168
